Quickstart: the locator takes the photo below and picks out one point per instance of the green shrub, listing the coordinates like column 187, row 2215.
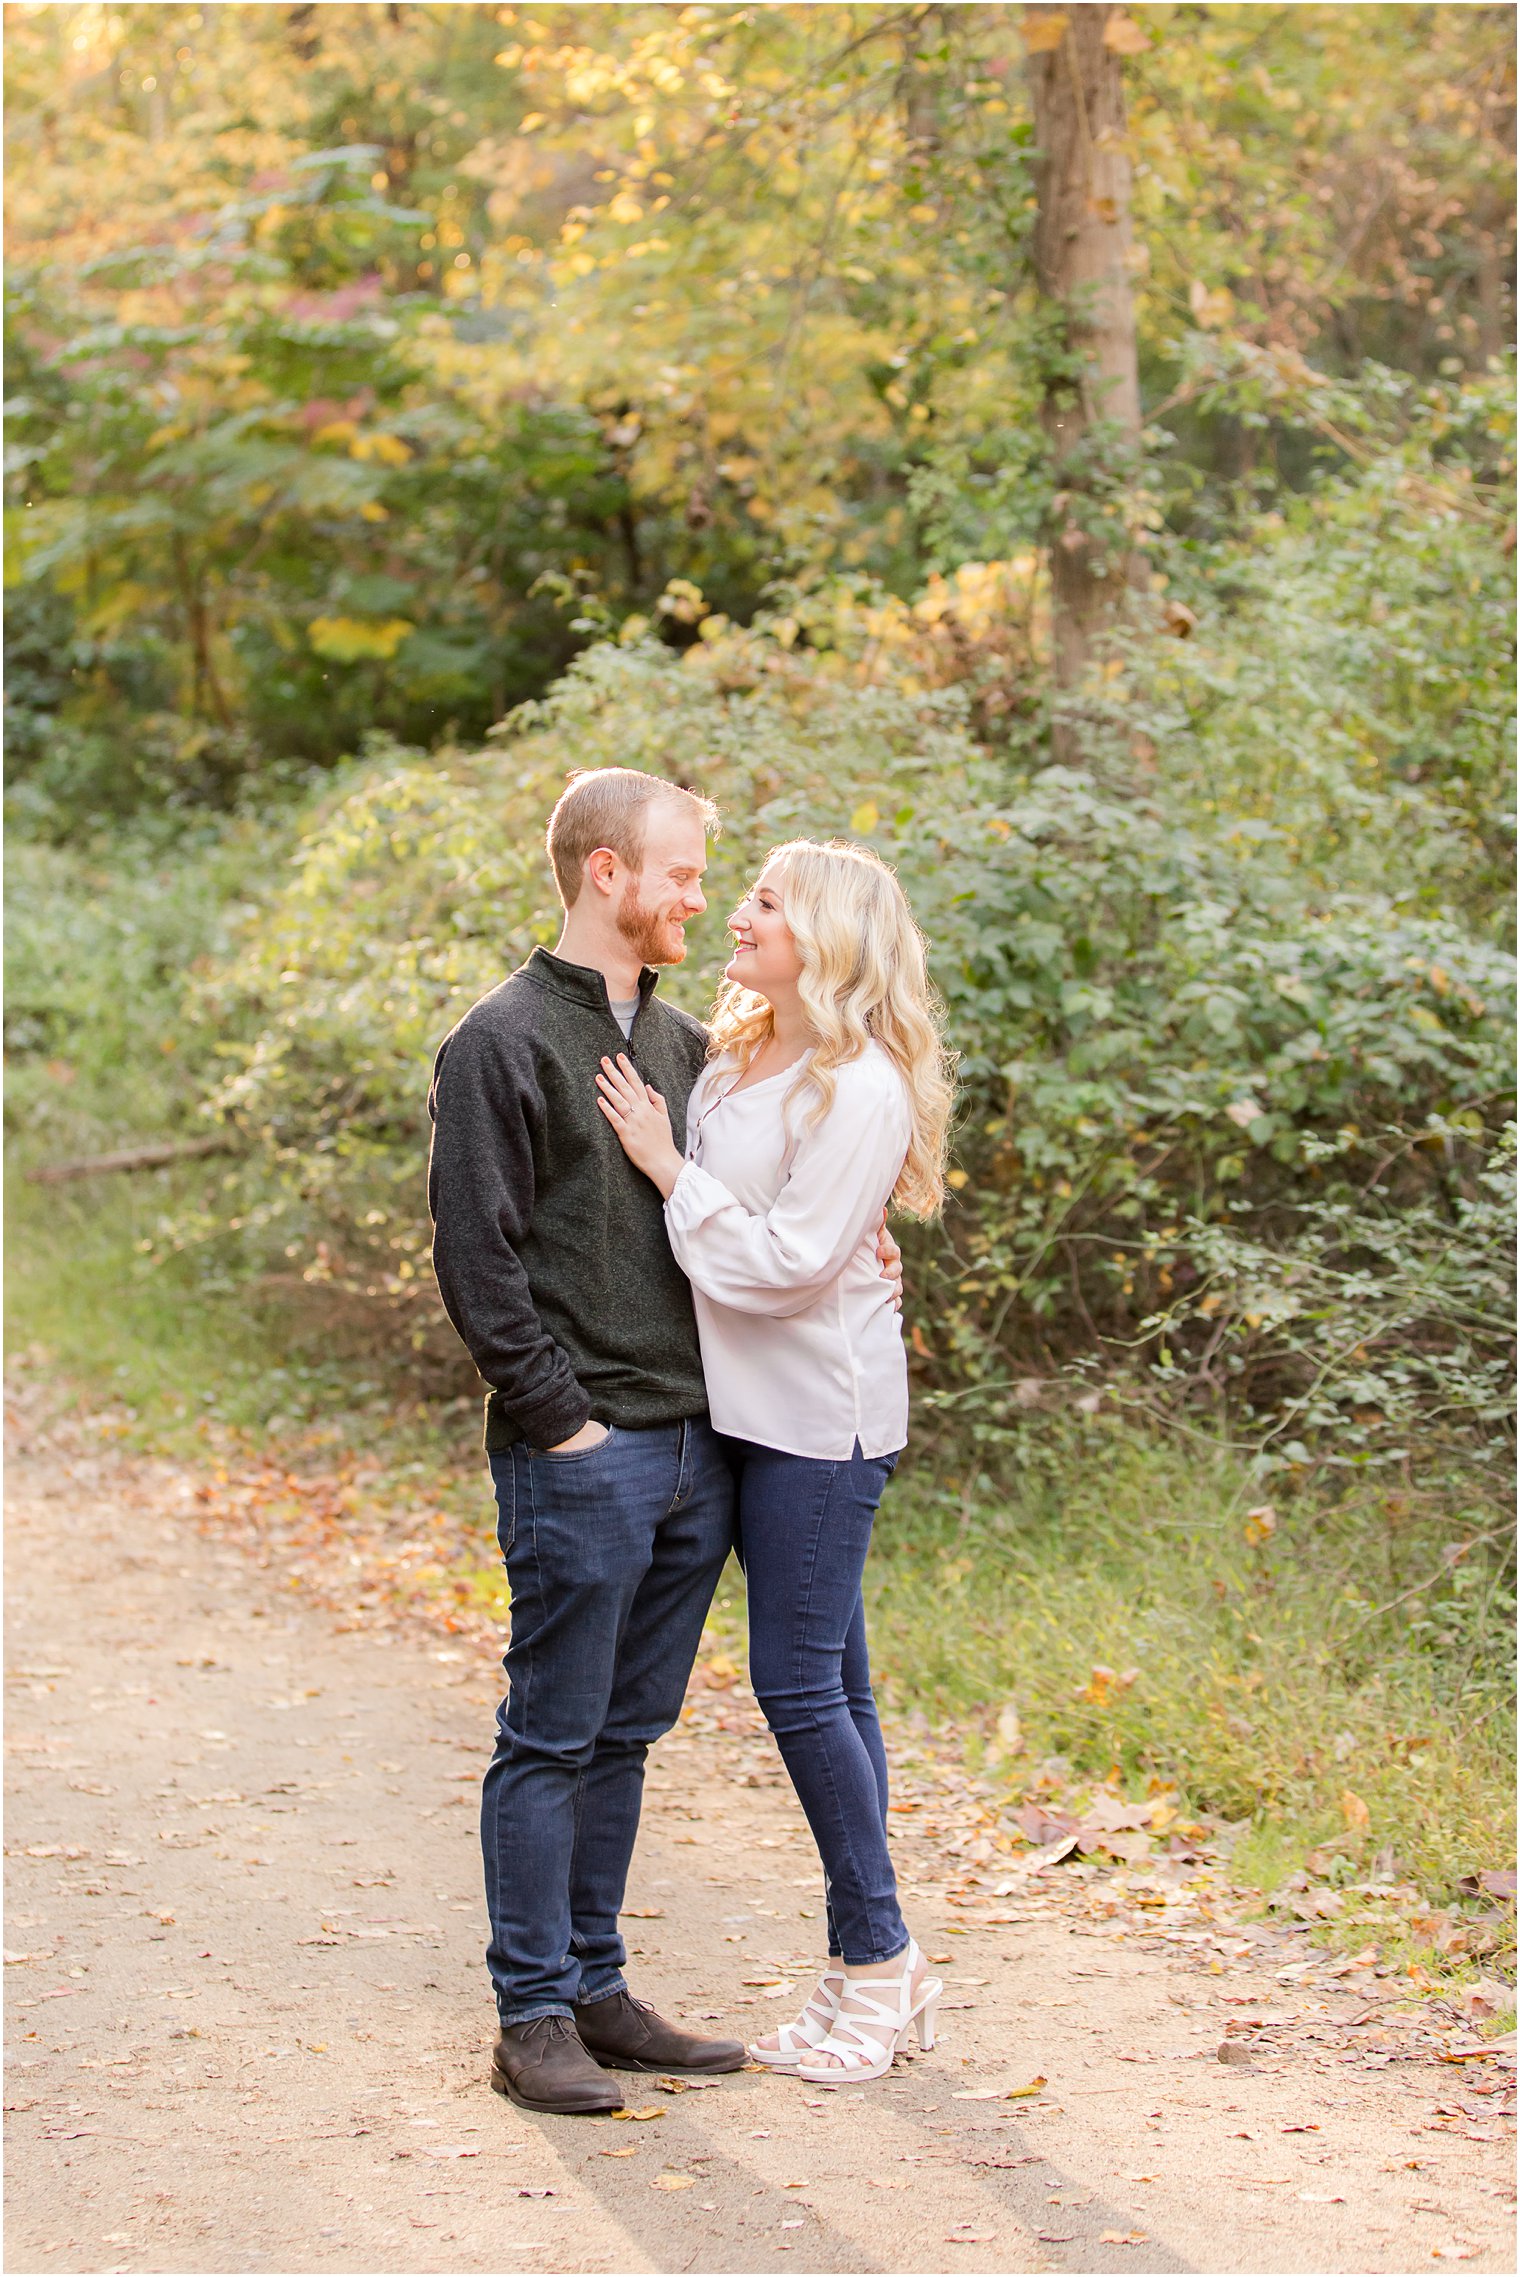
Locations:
column 1173, row 1031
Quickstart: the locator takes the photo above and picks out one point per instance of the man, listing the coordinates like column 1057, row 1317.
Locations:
column 614, row 1501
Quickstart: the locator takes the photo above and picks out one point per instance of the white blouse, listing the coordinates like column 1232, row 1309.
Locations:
column 775, row 1225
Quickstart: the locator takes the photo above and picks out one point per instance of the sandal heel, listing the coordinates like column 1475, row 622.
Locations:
column 871, row 2030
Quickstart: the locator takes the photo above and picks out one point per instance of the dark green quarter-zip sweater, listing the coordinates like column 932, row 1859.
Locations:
column 550, row 1248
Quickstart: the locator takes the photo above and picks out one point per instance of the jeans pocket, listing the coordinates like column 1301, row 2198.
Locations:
column 576, row 1454
column 504, row 1480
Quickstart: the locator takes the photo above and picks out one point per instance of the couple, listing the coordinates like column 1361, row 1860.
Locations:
column 661, row 1245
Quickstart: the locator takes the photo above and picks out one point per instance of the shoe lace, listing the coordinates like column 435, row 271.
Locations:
column 549, row 2028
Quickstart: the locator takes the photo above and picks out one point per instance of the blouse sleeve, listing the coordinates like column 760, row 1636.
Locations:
column 841, row 1176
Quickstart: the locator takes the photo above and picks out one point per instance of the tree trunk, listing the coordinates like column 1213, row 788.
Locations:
column 1081, row 251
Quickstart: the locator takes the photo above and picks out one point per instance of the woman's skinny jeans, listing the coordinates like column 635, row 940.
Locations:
column 804, row 1527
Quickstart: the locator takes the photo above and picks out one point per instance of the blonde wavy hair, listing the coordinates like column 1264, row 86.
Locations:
column 864, row 980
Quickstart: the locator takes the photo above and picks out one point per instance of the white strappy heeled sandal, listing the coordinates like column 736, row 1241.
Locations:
column 874, row 2017
column 809, row 2029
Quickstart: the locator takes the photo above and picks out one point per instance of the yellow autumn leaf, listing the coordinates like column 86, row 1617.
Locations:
column 348, row 640
column 1042, row 33
column 672, row 2182
column 1210, row 309
column 388, row 449
column 1353, row 1809
column 865, row 817
column 1021, row 2094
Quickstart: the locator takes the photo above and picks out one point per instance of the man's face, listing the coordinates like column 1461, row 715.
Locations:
column 666, row 893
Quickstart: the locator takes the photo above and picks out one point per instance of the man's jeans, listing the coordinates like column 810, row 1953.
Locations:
column 612, row 1556
column 804, row 1530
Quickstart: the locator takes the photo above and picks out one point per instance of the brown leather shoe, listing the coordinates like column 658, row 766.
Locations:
column 543, row 2066
column 627, row 2035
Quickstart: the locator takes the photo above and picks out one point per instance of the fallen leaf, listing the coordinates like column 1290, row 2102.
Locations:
column 977, row 2094
column 621, row 2150
column 1055, row 2237
column 793, row 2225
column 1020, row 2094
column 1123, row 2237
column 672, row 2182
column 1353, row 1809
column 1454, row 2252
column 646, row 2111
column 1233, row 2052
column 969, row 2237
column 1485, row 1998
column 1050, row 1855
column 1042, row 1824
column 437, row 2150
column 644, row 1912
column 540, row 2191
column 1109, row 1815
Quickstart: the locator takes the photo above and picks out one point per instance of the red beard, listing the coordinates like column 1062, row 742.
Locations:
column 653, row 938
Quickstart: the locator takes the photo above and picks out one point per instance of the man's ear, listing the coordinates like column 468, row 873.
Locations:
column 602, row 869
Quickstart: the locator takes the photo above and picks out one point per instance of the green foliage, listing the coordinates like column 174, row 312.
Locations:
column 1369, row 717
column 1227, row 1095
column 401, row 332
column 256, row 535
column 101, row 944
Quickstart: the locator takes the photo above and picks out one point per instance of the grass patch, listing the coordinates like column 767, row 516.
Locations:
column 1113, row 1592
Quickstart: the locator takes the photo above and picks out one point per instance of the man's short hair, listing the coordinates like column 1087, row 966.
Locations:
column 609, row 806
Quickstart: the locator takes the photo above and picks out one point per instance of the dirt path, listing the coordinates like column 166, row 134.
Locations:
column 248, row 2018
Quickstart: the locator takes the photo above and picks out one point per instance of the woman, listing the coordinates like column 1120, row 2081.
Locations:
column 826, row 1094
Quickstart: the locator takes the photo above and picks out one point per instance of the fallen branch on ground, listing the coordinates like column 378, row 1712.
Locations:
column 130, row 1158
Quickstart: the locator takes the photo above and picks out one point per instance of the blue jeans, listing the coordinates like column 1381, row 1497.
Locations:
column 612, row 1556
column 804, row 1529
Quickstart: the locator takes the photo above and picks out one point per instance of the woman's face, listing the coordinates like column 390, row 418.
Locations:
column 765, row 956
